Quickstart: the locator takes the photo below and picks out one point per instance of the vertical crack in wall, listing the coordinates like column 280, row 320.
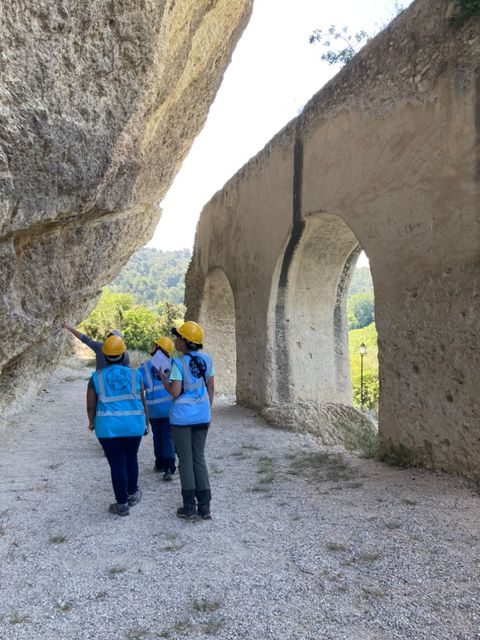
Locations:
column 283, row 369
column 477, row 124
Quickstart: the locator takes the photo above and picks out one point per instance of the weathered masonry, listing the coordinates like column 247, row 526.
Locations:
column 386, row 157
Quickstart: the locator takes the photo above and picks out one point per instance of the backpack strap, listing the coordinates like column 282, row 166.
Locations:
column 201, row 366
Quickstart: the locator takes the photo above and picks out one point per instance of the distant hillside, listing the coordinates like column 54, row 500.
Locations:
column 154, row 276
column 361, row 281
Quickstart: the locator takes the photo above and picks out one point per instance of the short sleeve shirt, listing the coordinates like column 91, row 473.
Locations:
column 176, row 374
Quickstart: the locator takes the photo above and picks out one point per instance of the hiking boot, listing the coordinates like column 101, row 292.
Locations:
column 134, row 498
column 119, row 509
column 188, row 512
column 167, row 476
column 204, row 511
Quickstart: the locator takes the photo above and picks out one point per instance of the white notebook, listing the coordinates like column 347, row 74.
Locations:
column 160, row 361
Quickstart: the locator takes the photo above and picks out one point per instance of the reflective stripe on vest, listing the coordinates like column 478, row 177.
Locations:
column 159, row 400
column 121, row 413
column 152, row 387
column 106, row 399
column 189, row 400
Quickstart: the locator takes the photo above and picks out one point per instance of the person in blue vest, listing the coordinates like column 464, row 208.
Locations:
column 191, row 384
column 117, row 412
column 159, row 402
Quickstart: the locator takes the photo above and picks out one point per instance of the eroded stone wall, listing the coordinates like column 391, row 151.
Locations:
column 99, row 103
column 391, row 147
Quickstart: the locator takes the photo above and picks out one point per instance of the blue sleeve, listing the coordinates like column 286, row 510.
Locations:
column 93, row 344
column 139, row 379
column 94, row 383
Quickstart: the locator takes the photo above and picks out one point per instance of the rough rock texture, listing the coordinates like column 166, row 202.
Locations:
column 386, row 157
column 331, row 423
column 99, row 103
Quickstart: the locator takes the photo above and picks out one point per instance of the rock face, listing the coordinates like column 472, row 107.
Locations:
column 99, row 104
column 385, row 157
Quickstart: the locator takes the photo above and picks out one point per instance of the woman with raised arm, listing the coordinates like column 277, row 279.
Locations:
column 117, row 412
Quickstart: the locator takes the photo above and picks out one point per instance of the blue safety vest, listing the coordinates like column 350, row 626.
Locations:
column 158, row 399
column 193, row 405
column 119, row 411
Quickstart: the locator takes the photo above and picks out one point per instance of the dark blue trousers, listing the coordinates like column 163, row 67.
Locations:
column 163, row 447
column 122, row 457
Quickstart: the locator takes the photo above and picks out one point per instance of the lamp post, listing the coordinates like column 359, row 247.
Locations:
column 362, row 349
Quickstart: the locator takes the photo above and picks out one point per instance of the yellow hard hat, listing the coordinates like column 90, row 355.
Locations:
column 191, row 331
column 166, row 344
column 113, row 346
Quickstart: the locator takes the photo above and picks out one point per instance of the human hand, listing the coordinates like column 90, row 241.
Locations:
column 91, row 427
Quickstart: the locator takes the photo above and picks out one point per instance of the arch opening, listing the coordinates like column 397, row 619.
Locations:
column 217, row 317
column 311, row 365
column 362, row 339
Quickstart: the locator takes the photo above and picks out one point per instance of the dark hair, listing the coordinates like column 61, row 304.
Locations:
column 192, row 346
column 115, row 359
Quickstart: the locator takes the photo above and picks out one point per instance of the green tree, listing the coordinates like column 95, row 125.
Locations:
column 171, row 315
column 107, row 315
column 141, row 326
column 342, row 45
column 360, row 310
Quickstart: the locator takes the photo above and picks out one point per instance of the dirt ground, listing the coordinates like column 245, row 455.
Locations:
column 305, row 543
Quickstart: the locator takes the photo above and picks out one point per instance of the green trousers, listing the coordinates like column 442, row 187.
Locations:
column 190, row 447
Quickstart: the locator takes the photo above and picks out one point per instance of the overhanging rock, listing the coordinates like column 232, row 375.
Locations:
column 99, row 104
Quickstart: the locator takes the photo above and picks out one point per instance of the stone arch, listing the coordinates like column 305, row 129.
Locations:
column 313, row 312
column 308, row 326
column 217, row 317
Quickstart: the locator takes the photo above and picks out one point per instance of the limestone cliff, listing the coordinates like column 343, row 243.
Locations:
column 100, row 101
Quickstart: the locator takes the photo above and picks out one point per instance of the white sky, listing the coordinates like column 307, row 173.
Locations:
column 273, row 73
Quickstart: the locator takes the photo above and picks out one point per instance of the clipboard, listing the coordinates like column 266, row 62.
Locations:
column 160, row 361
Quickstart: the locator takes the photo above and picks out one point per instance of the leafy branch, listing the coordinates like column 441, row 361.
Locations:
column 349, row 43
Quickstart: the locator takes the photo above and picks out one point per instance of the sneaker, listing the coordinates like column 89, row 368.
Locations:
column 119, row 509
column 189, row 513
column 204, row 512
column 134, row 498
column 167, row 476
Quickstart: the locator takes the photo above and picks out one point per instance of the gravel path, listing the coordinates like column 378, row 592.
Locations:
column 306, row 542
